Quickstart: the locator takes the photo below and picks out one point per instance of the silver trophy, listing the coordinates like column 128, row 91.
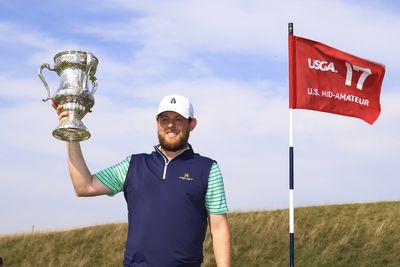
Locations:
column 76, row 69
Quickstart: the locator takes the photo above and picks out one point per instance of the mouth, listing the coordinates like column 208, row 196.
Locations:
column 171, row 134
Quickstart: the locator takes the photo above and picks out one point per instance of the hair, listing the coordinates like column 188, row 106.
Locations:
column 1, row 261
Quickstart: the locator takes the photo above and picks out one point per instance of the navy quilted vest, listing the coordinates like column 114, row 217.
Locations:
column 166, row 209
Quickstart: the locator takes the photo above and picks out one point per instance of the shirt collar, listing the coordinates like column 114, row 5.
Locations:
column 159, row 150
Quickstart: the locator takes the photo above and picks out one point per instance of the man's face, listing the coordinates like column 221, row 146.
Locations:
column 173, row 130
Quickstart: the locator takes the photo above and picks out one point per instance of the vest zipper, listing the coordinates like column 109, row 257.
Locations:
column 165, row 169
column 168, row 161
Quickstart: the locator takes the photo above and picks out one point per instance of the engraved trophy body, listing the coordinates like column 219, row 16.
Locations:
column 76, row 69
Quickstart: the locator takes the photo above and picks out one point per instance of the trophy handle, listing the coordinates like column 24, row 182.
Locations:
column 89, row 64
column 94, row 84
column 47, row 66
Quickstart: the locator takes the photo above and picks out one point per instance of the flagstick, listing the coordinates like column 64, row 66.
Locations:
column 291, row 175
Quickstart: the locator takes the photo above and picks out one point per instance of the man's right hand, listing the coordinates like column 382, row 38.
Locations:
column 64, row 113
column 59, row 109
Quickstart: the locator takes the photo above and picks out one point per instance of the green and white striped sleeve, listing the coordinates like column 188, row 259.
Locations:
column 215, row 196
column 114, row 176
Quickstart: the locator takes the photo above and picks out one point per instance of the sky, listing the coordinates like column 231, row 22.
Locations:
column 230, row 58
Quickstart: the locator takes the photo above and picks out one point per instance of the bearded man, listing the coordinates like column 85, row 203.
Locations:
column 172, row 194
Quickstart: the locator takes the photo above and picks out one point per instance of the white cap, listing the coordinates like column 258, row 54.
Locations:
column 178, row 104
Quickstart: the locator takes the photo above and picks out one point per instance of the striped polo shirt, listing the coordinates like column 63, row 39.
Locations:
column 215, row 201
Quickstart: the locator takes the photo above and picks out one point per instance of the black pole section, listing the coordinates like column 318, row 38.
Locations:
column 291, row 167
column 290, row 28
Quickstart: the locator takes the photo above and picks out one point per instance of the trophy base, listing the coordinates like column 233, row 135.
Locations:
column 71, row 130
column 71, row 134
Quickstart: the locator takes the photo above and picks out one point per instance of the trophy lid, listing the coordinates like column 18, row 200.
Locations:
column 78, row 53
column 76, row 57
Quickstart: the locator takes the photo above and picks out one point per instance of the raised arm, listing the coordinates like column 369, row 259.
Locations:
column 85, row 184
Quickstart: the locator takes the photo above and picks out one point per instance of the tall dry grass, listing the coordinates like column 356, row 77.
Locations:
column 101, row 245
column 361, row 235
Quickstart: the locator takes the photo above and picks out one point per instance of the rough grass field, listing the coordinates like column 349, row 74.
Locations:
column 337, row 235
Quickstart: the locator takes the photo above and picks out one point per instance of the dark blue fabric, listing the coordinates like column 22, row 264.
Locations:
column 167, row 217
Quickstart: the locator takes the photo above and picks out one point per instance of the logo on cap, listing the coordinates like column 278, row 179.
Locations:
column 173, row 101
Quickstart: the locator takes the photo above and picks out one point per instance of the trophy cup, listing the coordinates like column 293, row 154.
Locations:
column 75, row 69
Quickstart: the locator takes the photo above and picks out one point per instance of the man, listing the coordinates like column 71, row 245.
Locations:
column 171, row 194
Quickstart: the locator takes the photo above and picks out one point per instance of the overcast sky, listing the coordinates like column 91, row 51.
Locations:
column 230, row 58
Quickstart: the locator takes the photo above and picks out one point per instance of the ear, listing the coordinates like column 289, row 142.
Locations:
column 192, row 124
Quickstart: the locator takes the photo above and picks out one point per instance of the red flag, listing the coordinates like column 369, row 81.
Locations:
column 325, row 79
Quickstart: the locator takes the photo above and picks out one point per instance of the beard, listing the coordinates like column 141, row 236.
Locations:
column 175, row 145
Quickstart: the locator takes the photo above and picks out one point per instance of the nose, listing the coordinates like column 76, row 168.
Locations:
column 168, row 123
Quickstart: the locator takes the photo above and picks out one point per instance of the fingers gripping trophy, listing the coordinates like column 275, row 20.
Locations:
column 76, row 69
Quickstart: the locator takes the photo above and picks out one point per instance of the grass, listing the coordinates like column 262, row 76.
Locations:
column 337, row 235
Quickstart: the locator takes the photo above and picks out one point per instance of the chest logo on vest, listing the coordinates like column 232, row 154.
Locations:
column 186, row 177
